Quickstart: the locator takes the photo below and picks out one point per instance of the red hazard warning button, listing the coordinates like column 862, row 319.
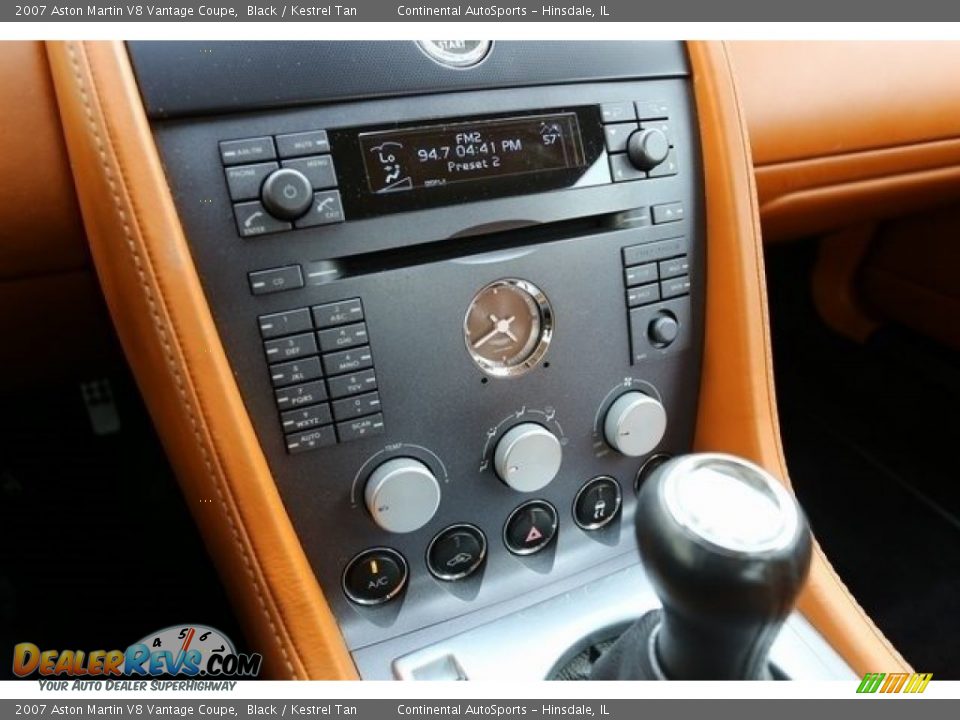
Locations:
column 530, row 528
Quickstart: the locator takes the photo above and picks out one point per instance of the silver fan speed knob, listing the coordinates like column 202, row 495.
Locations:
column 635, row 424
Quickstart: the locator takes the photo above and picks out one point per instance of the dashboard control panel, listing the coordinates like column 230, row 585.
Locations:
column 459, row 379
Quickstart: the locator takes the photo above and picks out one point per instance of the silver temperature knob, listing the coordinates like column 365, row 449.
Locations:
column 402, row 495
column 527, row 457
column 635, row 424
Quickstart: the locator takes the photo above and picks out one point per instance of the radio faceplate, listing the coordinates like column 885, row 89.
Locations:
column 611, row 258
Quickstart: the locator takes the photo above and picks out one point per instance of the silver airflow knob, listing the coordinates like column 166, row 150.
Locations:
column 635, row 424
column 402, row 495
column 527, row 457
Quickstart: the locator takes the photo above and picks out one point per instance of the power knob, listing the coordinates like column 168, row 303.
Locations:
column 286, row 194
column 527, row 457
column 635, row 424
column 402, row 495
column 647, row 148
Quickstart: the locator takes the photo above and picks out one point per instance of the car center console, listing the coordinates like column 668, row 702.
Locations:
column 464, row 306
column 462, row 323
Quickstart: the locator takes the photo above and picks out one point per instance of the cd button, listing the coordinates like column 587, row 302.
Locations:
column 530, row 528
column 264, row 282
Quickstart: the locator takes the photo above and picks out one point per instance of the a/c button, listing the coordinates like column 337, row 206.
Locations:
column 375, row 576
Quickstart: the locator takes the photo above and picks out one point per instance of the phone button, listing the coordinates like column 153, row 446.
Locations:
column 253, row 219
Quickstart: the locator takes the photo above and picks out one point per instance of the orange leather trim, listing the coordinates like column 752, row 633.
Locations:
column 167, row 331
column 40, row 227
column 849, row 132
column 738, row 411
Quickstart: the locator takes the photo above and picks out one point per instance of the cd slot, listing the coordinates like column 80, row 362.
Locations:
column 320, row 272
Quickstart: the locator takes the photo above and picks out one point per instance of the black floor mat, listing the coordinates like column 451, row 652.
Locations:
column 871, row 434
column 97, row 548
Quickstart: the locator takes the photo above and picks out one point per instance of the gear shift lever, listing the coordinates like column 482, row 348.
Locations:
column 727, row 549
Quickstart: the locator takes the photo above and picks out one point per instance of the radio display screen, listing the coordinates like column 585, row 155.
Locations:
column 433, row 156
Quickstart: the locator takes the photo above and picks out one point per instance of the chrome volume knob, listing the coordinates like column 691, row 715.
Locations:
column 527, row 457
column 635, row 424
column 402, row 495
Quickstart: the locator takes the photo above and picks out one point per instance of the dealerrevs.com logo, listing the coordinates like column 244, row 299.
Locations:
column 179, row 650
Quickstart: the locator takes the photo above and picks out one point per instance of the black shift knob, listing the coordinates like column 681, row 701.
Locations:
column 727, row 549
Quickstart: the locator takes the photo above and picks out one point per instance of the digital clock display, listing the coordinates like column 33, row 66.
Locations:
column 434, row 156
